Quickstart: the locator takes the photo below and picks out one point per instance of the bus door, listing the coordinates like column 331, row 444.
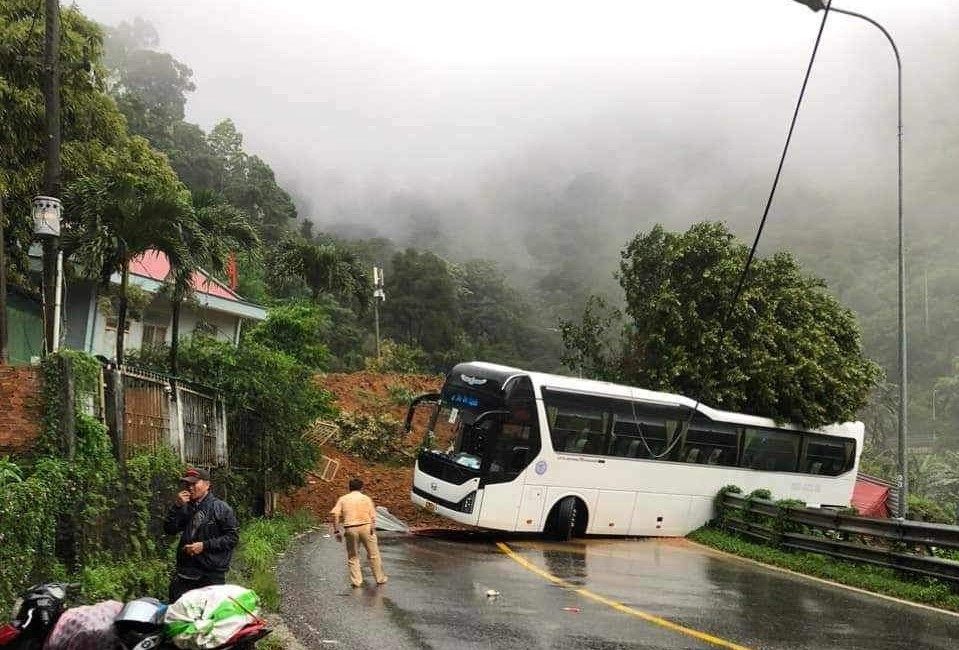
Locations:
column 512, row 447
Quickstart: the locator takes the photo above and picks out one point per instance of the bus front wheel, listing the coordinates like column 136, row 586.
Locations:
column 566, row 520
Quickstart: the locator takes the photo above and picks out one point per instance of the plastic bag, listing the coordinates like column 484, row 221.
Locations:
column 208, row 617
column 88, row 627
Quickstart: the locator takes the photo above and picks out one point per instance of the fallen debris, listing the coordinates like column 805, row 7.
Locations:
column 386, row 521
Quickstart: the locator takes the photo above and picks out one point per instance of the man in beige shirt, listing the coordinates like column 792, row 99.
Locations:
column 359, row 525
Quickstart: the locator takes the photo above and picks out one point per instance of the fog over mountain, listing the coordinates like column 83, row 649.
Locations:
column 486, row 125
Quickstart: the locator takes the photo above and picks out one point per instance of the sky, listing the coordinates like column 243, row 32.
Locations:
column 355, row 102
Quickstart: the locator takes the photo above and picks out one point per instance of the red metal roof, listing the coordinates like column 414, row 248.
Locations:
column 870, row 498
column 154, row 265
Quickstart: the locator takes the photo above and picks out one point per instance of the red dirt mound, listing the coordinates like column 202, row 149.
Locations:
column 370, row 393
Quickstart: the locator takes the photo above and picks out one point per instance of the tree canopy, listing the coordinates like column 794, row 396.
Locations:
column 789, row 350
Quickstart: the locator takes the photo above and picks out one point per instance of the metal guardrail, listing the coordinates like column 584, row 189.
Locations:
column 898, row 535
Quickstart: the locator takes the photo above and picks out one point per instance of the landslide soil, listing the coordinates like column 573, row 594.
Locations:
column 387, row 484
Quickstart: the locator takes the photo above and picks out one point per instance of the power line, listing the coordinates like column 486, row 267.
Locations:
column 724, row 323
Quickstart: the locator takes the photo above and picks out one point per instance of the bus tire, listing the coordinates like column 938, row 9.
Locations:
column 563, row 522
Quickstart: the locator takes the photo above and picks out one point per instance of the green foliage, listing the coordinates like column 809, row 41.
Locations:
column 325, row 268
column 93, row 487
column 150, row 87
column 922, row 509
column 789, row 350
column 399, row 394
column 93, row 130
column 274, row 385
column 876, row 579
column 298, row 330
column 149, row 478
column 760, row 493
column 261, row 543
column 420, row 310
column 397, row 357
column 29, row 513
column 87, row 517
column 719, row 504
column 120, row 578
column 590, row 347
column 373, row 438
column 10, row 472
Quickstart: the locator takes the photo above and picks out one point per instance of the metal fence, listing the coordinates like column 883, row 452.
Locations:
column 158, row 410
column 899, row 544
column 200, row 421
column 146, row 412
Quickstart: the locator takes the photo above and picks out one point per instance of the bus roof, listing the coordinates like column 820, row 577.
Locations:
column 608, row 389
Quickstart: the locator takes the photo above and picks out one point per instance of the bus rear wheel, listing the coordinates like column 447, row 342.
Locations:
column 566, row 520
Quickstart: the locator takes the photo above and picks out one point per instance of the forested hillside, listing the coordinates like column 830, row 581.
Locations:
column 501, row 270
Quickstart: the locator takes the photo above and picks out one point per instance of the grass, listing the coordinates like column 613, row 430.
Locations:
column 880, row 580
column 261, row 543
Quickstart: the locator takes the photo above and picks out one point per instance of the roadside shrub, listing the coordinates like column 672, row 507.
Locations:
column 721, row 510
column 373, row 438
column 29, row 512
column 923, row 509
column 261, row 543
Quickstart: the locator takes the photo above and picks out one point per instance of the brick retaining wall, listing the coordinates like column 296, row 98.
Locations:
column 20, row 414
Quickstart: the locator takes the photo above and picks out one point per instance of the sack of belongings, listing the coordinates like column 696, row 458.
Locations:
column 209, row 617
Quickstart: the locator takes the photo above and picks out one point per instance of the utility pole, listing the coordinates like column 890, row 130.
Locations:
column 378, row 295
column 4, row 355
column 51, row 175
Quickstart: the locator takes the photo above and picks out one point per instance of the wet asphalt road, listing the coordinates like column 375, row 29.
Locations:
column 436, row 598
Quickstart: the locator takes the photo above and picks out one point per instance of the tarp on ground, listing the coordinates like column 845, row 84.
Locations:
column 386, row 521
column 871, row 496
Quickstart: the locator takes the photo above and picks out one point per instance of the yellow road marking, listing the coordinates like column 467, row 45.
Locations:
column 626, row 609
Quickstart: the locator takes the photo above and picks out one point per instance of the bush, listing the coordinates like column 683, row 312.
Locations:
column 297, row 330
column 29, row 512
column 261, row 543
column 923, row 509
column 373, row 438
column 273, row 384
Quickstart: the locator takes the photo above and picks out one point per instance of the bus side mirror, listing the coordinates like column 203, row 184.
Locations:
column 416, row 401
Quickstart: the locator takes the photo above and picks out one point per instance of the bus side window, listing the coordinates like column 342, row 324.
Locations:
column 828, row 456
column 772, row 451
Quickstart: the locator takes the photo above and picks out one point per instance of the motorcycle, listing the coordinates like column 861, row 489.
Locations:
column 139, row 624
column 39, row 610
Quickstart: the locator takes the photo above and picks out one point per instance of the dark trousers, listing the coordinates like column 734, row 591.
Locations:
column 179, row 586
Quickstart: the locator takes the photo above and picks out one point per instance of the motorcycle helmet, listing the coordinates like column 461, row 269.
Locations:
column 139, row 619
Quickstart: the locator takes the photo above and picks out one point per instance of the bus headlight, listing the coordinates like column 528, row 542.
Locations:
column 466, row 505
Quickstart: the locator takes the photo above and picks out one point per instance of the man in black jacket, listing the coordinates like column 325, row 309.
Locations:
column 208, row 534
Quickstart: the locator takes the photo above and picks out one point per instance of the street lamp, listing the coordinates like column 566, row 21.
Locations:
column 820, row 5
column 47, row 212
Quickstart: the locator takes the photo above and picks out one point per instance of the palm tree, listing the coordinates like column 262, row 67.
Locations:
column 326, row 268
column 115, row 219
column 217, row 230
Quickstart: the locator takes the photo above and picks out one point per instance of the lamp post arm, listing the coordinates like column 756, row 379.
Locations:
column 903, row 468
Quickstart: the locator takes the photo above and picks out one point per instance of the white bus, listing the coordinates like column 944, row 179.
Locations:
column 546, row 453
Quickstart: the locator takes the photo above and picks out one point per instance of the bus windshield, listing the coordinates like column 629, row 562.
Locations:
column 465, row 443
